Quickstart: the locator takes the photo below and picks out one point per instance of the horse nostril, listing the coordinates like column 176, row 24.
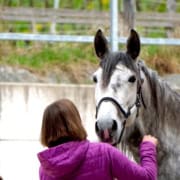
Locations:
column 94, row 79
column 114, row 126
column 96, row 126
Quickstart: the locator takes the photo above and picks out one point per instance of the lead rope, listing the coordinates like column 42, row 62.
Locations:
column 122, row 131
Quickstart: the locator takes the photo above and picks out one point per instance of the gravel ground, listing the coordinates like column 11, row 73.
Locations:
column 9, row 74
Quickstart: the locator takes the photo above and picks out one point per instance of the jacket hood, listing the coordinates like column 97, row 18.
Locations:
column 63, row 161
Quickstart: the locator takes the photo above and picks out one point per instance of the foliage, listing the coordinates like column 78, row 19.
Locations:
column 73, row 4
column 151, row 5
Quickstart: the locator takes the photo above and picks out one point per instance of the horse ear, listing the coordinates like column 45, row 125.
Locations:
column 133, row 44
column 100, row 44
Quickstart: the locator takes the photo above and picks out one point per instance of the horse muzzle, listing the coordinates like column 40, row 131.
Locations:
column 106, row 133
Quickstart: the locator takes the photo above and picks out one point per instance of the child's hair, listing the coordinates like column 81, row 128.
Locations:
column 61, row 119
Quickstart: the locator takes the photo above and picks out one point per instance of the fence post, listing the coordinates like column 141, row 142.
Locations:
column 114, row 25
column 53, row 25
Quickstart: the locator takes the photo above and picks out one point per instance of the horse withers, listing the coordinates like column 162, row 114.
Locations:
column 132, row 100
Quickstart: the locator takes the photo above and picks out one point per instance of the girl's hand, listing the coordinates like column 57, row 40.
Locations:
column 150, row 139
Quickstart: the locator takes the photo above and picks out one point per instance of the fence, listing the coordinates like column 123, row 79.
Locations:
column 88, row 18
column 68, row 16
column 83, row 39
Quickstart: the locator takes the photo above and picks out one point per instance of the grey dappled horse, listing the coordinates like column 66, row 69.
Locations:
column 131, row 100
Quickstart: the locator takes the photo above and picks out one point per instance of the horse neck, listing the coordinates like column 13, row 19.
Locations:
column 161, row 119
column 162, row 103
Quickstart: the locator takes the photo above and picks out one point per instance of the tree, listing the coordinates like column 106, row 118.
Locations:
column 171, row 6
column 129, row 15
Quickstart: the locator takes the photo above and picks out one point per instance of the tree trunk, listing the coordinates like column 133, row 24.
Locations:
column 31, row 3
column 46, row 4
column 129, row 15
column 171, row 8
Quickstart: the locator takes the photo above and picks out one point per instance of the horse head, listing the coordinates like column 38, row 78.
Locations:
column 117, row 90
column 124, row 103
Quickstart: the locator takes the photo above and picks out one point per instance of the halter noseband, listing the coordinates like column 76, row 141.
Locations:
column 131, row 110
column 126, row 114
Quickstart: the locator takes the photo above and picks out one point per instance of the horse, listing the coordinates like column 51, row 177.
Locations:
column 132, row 100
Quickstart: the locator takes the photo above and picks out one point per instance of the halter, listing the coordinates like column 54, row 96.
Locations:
column 131, row 110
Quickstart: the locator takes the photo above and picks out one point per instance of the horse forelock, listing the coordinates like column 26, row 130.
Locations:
column 109, row 62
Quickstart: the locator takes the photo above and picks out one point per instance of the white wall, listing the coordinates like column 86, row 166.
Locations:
column 21, row 109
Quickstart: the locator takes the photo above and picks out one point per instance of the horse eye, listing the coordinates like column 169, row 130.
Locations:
column 132, row 79
column 95, row 79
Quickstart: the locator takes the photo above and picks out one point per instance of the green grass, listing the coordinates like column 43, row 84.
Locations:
column 40, row 56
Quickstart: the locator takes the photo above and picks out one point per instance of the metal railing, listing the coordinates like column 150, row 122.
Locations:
column 83, row 39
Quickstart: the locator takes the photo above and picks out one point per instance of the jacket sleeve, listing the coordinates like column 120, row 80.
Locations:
column 124, row 168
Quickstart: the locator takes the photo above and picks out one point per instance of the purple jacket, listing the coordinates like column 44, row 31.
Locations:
column 96, row 161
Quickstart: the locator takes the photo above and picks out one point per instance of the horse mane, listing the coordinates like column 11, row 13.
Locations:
column 160, row 116
column 166, row 101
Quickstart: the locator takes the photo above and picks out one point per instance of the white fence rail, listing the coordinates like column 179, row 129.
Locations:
column 82, row 39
